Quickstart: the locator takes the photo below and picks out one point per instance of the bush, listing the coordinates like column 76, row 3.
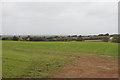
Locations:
column 15, row 38
column 80, row 39
column 105, row 39
column 116, row 39
column 3, row 38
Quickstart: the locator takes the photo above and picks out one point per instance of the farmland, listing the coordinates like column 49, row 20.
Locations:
column 42, row 59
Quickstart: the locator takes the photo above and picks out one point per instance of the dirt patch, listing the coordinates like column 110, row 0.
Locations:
column 90, row 66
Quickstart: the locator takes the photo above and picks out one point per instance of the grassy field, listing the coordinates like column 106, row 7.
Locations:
column 40, row 59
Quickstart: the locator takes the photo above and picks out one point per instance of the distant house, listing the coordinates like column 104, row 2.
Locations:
column 74, row 38
column 85, row 37
column 101, row 37
column 94, row 37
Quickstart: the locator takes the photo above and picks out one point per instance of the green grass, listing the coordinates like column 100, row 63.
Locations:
column 30, row 59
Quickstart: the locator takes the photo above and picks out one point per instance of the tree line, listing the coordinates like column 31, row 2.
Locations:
column 106, row 38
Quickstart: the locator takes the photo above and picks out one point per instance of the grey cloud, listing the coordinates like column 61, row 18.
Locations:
column 59, row 18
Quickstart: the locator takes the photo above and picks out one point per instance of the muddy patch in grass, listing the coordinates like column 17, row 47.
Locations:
column 89, row 66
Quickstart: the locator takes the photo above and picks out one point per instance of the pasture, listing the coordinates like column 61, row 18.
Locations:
column 41, row 59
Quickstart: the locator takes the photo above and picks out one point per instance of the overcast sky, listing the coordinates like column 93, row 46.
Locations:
column 59, row 18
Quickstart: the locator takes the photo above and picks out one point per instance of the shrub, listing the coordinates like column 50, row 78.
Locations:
column 15, row 38
column 80, row 39
column 105, row 39
column 116, row 39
